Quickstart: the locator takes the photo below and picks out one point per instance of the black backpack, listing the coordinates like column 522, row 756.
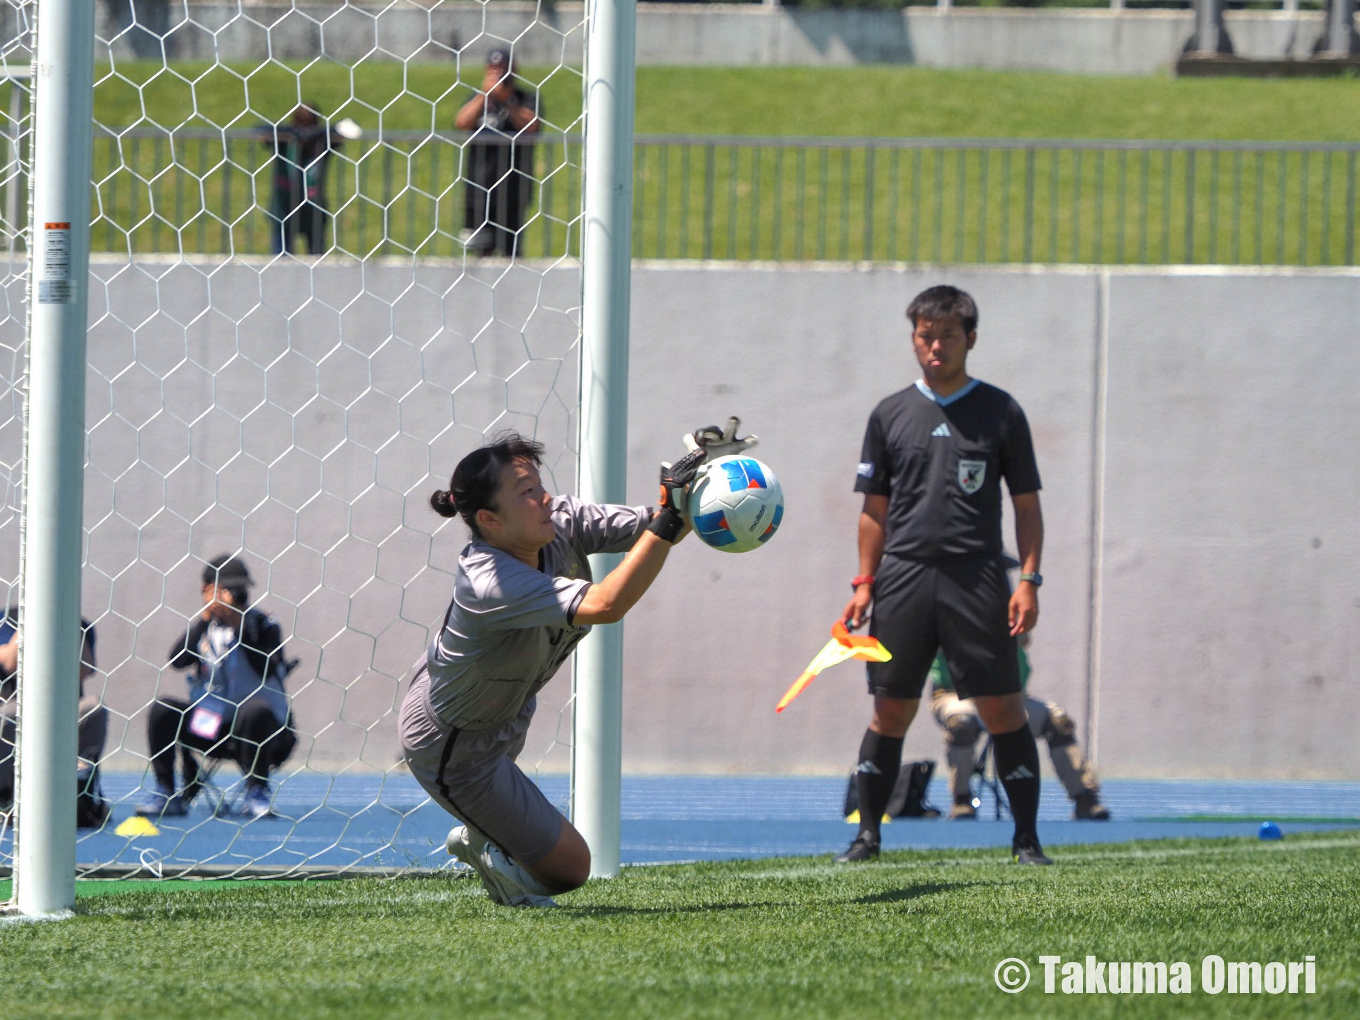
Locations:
column 91, row 807
column 908, row 798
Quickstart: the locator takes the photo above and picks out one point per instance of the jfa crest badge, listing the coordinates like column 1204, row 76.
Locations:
column 971, row 474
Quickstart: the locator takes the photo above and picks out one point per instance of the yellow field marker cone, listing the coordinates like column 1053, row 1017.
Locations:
column 136, row 825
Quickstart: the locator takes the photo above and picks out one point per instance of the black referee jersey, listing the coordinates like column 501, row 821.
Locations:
column 940, row 461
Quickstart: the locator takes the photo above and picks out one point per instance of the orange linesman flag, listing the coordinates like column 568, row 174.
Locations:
column 843, row 645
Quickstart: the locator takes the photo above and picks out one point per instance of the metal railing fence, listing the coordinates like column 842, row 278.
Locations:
column 966, row 201
column 916, row 200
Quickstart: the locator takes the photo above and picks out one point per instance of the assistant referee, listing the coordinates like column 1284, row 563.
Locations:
column 930, row 561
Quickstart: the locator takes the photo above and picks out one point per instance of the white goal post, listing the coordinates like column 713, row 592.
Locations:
column 288, row 410
column 59, row 253
column 597, row 762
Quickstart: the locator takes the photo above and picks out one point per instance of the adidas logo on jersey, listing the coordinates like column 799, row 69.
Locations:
column 1021, row 773
column 942, row 431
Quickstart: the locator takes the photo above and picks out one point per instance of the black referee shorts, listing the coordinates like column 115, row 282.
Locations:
column 959, row 605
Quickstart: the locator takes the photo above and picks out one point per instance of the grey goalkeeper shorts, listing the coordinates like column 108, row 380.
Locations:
column 472, row 775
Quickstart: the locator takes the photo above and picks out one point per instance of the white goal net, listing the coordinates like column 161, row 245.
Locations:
column 324, row 267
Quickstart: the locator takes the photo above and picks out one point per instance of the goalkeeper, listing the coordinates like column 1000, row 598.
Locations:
column 523, row 598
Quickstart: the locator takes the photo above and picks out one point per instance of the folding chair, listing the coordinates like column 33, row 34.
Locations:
column 199, row 774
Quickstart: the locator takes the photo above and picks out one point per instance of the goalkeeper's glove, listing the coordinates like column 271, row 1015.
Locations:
column 669, row 520
column 720, row 442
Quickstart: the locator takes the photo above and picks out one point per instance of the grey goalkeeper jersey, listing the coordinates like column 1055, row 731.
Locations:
column 509, row 626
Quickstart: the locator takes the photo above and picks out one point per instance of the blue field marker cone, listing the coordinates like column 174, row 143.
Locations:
column 1269, row 830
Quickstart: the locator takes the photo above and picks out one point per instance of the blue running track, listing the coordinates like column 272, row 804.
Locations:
column 347, row 821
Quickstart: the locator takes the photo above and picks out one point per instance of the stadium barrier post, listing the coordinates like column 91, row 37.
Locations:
column 45, row 854
column 1211, row 34
column 1339, row 39
column 597, row 711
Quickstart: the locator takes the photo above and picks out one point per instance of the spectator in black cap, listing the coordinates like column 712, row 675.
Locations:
column 237, row 707
column 498, row 166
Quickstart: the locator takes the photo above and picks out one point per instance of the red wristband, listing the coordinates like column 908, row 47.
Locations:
column 855, row 582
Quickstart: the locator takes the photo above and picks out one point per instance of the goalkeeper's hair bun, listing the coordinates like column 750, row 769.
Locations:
column 441, row 500
column 477, row 478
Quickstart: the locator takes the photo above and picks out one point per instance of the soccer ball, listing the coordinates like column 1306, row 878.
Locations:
column 736, row 504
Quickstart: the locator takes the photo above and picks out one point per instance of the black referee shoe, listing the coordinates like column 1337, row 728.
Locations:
column 861, row 849
column 1031, row 853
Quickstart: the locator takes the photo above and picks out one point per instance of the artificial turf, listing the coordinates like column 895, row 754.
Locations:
column 917, row 933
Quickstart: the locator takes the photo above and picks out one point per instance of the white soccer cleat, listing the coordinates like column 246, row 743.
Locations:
column 504, row 880
column 521, row 888
column 464, row 837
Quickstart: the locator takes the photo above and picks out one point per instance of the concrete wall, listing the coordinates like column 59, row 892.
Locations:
column 1202, row 547
column 1074, row 41
column 1083, row 41
column 1195, row 431
column 804, row 354
column 1229, row 602
column 303, row 416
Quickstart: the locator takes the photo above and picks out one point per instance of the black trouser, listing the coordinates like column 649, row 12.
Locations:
column 309, row 220
column 91, row 733
column 256, row 740
column 495, row 195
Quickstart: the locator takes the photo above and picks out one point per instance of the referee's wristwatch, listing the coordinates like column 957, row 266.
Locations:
column 1034, row 579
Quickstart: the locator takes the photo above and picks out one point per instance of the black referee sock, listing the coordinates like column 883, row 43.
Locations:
column 1017, row 763
column 879, row 759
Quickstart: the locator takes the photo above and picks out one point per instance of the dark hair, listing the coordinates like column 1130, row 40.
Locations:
column 941, row 302
column 229, row 572
column 478, row 476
